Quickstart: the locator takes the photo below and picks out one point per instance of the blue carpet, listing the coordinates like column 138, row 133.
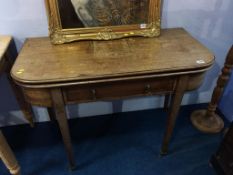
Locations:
column 123, row 144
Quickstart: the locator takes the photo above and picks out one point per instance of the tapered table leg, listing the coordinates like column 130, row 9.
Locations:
column 175, row 105
column 8, row 157
column 51, row 113
column 60, row 114
column 167, row 102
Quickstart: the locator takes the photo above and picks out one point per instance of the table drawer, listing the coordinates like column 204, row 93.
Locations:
column 115, row 90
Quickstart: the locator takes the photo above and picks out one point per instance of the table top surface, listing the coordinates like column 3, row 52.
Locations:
column 175, row 50
column 4, row 43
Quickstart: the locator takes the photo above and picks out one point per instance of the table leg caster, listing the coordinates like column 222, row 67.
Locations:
column 72, row 167
column 163, row 152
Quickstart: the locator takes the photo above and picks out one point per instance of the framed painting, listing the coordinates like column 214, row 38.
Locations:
column 72, row 20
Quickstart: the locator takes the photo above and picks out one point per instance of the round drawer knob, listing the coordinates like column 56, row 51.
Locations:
column 148, row 89
column 93, row 91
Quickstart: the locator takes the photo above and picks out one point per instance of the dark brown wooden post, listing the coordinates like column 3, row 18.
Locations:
column 175, row 106
column 60, row 114
column 167, row 102
column 207, row 120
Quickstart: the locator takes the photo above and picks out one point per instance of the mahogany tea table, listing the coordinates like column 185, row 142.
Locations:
column 54, row 76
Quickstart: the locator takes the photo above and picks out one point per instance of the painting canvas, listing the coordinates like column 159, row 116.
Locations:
column 110, row 18
column 95, row 13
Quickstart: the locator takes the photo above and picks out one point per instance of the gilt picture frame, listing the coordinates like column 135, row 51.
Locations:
column 73, row 20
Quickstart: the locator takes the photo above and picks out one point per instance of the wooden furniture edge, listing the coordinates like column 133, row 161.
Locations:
column 41, row 96
column 106, row 79
column 211, row 58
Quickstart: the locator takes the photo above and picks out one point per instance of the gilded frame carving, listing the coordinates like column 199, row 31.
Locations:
column 58, row 35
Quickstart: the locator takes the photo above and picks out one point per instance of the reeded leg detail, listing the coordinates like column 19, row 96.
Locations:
column 8, row 157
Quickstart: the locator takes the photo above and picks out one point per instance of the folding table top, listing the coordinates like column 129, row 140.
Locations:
column 174, row 51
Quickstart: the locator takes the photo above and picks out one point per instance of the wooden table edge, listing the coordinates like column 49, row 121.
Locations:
column 68, row 82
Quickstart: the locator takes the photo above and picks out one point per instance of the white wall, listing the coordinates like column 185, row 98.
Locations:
column 210, row 21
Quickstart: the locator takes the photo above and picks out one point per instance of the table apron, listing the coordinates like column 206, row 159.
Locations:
column 111, row 90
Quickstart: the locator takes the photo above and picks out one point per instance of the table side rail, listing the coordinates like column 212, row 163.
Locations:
column 110, row 90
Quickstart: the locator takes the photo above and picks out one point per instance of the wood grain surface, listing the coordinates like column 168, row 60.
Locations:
column 8, row 157
column 54, row 76
column 175, row 50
